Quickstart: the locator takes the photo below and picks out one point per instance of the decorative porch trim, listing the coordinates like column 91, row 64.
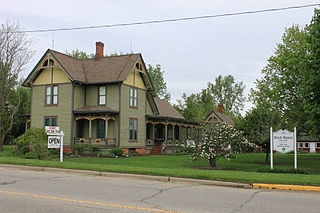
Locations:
column 94, row 118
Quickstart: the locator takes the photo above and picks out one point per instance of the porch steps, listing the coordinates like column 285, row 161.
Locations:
column 156, row 150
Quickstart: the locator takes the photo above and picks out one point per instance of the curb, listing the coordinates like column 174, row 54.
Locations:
column 132, row 176
column 286, row 187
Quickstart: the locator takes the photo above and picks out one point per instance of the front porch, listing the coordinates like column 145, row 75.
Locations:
column 164, row 137
column 97, row 130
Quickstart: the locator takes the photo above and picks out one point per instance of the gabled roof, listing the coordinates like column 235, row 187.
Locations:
column 223, row 117
column 166, row 110
column 90, row 71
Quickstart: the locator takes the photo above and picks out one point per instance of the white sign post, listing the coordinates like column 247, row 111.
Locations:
column 283, row 141
column 55, row 139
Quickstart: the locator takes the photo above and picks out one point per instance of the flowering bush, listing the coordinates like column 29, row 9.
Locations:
column 218, row 140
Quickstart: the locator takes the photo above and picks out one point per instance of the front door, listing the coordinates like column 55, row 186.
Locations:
column 101, row 129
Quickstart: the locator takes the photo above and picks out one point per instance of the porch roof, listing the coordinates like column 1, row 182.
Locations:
column 161, row 118
column 95, row 109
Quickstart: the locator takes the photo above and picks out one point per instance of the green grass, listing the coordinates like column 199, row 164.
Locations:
column 244, row 167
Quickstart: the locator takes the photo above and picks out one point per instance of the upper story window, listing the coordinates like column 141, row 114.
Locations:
column 133, row 97
column 52, row 95
column 102, row 96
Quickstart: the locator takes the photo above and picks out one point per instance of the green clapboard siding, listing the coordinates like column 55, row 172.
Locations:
column 63, row 111
column 127, row 112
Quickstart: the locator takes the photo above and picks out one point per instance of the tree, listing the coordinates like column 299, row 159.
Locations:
column 256, row 126
column 226, row 91
column 14, row 55
column 195, row 106
column 310, row 84
column 159, row 85
column 19, row 123
column 217, row 140
column 280, row 87
column 80, row 54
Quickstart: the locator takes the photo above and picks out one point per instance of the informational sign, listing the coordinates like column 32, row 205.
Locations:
column 55, row 139
column 54, row 142
column 283, row 141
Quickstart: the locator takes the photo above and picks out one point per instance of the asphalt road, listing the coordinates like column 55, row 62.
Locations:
column 24, row 191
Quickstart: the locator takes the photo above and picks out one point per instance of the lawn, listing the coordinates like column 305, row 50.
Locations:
column 241, row 169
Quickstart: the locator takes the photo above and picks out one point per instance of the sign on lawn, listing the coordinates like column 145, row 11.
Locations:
column 54, row 142
column 55, row 139
column 52, row 129
column 283, row 141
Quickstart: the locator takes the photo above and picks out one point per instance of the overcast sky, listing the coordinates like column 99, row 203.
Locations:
column 191, row 53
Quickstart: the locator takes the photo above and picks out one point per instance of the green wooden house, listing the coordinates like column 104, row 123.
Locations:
column 106, row 101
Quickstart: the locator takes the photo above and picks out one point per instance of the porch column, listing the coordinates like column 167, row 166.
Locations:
column 166, row 132
column 90, row 128
column 106, row 129
column 173, row 133
column 153, row 132
column 26, row 126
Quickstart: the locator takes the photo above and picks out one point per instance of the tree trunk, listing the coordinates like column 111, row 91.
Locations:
column 213, row 162
column 267, row 156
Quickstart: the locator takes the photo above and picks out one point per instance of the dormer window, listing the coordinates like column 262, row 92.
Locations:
column 138, row 66
column 102, row 96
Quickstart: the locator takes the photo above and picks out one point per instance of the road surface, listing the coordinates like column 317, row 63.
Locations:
column 23, row 191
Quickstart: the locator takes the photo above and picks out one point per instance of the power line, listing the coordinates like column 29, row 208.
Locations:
column 168, row 20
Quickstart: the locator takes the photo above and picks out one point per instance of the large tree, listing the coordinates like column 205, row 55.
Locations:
column 159, row 84
column 224, row 90
column 279, row 89
column 311, row 82
column 14, row 54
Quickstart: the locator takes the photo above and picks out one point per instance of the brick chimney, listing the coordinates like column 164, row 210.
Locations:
column 220, row 108
column 99, row 50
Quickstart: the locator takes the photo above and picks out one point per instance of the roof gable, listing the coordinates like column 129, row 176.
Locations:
column 40, row 67
column 222, row 117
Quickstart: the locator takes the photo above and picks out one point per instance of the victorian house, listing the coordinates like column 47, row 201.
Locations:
column 107, row 101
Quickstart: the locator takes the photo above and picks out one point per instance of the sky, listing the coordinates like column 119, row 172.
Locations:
column 191, row 53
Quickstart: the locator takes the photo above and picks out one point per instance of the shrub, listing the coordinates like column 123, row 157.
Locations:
column 33, row 143
column 116, row 151
column 79, row 148
column 93, row 147
column 285, row 171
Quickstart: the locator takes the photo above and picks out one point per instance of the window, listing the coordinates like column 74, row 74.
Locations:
column 133, row 97
column 318, row 145
column 306, row 145
column 50, row 121
column 52, row 95
column 300, row 145
column 133, row 129
column 138, row 66
column 102, row 95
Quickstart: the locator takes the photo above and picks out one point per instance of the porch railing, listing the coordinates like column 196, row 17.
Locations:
column 103, row 142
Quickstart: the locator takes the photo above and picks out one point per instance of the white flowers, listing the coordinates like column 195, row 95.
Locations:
column 219, row 140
